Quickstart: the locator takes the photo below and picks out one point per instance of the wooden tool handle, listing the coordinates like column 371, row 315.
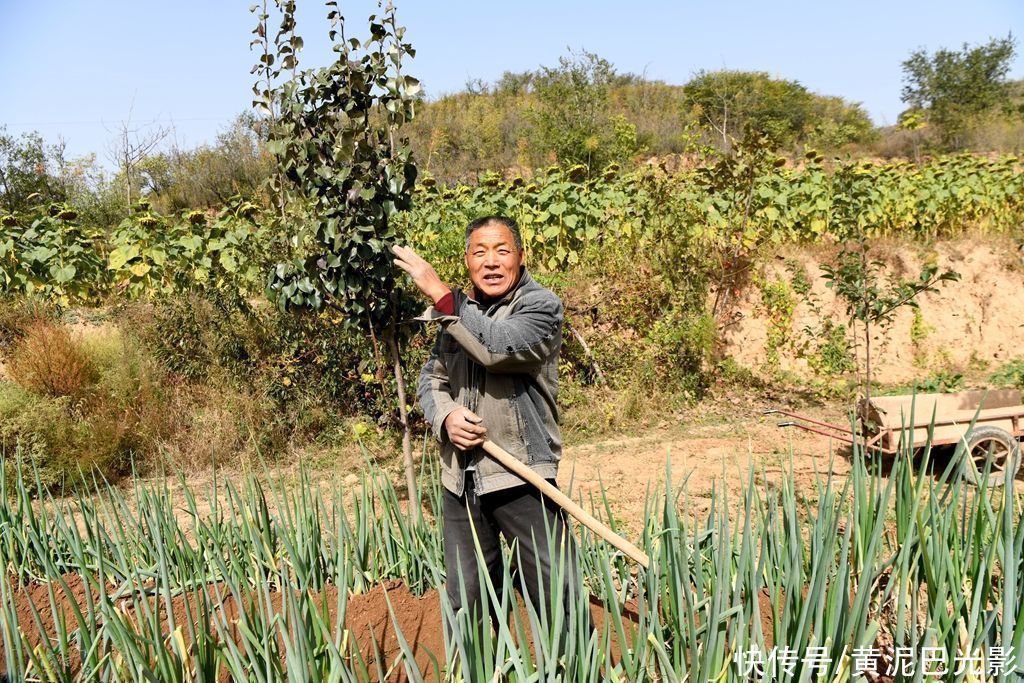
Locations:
column 565, row 502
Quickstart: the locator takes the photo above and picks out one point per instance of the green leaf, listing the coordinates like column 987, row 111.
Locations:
column 62, row 275
column 412, row 86
column 192, row 242
column 227, row 261
column 140, row 269
column 157, row 256
column 117, row 259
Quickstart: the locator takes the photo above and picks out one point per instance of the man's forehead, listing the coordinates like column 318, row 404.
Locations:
column 491, row 235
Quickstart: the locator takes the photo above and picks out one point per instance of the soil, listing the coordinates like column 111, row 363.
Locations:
column 708, row 454
column 370, row 619
column 973, row 322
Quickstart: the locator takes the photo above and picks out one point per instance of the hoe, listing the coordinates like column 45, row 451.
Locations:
column 511, row 463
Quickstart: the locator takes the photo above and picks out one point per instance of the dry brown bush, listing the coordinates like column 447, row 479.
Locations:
column 50, row 361
column 214, row 427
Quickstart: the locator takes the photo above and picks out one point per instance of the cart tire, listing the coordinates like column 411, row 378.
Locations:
column 990, row 444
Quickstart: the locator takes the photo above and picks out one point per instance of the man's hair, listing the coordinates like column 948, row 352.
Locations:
column 500, row 220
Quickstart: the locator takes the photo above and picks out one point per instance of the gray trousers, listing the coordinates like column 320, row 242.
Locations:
column 518, row 514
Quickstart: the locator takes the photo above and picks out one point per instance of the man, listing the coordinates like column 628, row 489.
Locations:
column 493, row 374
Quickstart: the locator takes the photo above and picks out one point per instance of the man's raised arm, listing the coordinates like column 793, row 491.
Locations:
column 519, row 343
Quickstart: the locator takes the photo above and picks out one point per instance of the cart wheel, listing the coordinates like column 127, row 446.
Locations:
column 990, row 444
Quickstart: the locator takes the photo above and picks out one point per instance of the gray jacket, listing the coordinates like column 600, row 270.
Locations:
column 501, row 362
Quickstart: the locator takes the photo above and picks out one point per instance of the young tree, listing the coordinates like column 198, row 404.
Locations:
column 26, row 169
column 131, row 145
column 728, row 102
column 858, row 282
column 334, row 134
column 953, row 87
column 573, row 115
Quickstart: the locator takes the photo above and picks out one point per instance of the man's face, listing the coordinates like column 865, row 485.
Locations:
column 493, row 260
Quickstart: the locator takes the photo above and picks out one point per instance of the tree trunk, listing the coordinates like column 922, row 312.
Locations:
column 586, row 350
column 127, row 169
column 8, row 196
column 856, row 350
column 867, row 324
column 867, row 361
column 410, row 468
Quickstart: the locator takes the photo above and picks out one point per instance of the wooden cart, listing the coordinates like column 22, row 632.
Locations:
column 989, row 424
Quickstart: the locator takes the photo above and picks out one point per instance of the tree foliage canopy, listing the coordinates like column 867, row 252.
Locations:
column 334, row 134
column 728, row 102
column 954, row 87
column 26, row 170
column 573, row 115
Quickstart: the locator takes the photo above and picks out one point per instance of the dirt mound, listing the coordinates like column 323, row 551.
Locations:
column 975, row 321
column 369, row 620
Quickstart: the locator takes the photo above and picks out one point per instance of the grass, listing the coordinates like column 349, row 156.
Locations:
column 941, row 565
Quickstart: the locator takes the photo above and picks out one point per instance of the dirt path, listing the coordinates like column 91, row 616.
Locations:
column 714, row 453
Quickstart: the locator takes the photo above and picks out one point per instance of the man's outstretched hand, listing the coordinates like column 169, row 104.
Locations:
column 464, row 428
column 422, row 273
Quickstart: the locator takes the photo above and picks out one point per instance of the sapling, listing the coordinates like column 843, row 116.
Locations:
column 857, row 281
column 334, row 133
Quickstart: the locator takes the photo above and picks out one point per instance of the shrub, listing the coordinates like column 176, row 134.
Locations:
column 682, row 347
column 83, row 405
column 778, row 303
column 941, row 382
column 279, row 378
column 51, row 436
column 192, row 336
column 16, row 314
column 51, row 362
column 1009, row 375
column 831, row 356
column 130, row 404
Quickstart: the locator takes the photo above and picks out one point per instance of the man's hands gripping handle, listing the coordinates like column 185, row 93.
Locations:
column 464, row 428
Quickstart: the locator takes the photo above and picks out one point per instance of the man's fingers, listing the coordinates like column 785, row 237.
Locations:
column 465, row 431
column 471, row 425
column 466, row 442
column 405, row 253
column 468, row 435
